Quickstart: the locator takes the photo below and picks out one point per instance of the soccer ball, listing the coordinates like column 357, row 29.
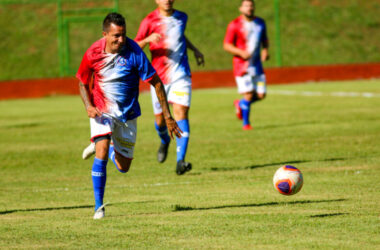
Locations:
column 288, row 180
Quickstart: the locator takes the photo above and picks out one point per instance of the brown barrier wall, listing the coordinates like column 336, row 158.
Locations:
column 215, row 79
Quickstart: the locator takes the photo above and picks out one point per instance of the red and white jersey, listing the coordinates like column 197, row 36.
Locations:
column 169, row 55
column 248, row 36
column 116, row 77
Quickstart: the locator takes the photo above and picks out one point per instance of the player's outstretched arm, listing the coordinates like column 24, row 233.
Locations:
column 84, row 91
column 197, row 54
column 161, row 95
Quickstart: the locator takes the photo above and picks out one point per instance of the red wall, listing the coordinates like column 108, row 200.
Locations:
column 283, row 75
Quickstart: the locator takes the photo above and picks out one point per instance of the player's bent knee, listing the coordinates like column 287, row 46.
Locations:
column 261, row 96
column 160, row 120
column 123, row 163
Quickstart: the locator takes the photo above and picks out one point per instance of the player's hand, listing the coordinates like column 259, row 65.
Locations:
column 245, row 55
column 173, row 128
column 264, row 55
column 93, row 112
column 154, row 38
column 199, row 57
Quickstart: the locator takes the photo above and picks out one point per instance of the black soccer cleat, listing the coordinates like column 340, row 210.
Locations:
column 162, row 152
column 183, row 167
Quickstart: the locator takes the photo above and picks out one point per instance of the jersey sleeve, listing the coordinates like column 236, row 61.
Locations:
column 144, row 67
column 230, row 34
column 143, row 31
column 85, row 71
column 264, row 37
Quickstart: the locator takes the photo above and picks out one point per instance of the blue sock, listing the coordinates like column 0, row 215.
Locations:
column 99, row 176
column 111, row 155
column 163, row 133
column 245, row 108
column 184, row 140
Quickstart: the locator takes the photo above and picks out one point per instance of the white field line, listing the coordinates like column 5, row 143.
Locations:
column 300, row 93
column 318, row 93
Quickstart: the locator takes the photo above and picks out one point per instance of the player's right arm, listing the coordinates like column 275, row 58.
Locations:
column 145, row 35
column 232, row 49
column 152, row 38
column 229, row 43
column 85, row 74
column 84, row 91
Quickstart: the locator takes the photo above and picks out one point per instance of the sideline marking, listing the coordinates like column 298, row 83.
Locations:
column 318, row 93
column 300, row 93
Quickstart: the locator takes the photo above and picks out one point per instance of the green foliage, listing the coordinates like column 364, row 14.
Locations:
column 226, row 202
column 313, row 32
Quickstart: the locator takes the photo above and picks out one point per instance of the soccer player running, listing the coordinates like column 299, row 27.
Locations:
column 164, row 30
column 245, row 36
column 116, row 63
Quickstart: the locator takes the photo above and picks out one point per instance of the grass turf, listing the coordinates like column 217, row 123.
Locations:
column 227, row 200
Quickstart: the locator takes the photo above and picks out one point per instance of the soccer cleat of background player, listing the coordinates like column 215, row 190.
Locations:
column 245, row 37
column 116, row 63
column 164, row 30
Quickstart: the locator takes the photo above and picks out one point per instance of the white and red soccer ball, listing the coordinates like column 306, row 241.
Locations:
column 288, row 180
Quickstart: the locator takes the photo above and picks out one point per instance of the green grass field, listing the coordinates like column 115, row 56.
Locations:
column 226, row 202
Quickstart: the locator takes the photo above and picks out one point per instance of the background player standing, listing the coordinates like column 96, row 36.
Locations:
column 244, row 37
column 164, row 30
column 116, row 63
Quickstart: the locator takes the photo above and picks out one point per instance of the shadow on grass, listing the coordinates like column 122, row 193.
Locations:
column 276, row 164
column 63, row 208
column 326, row 215
column 45, row 209
column 177, row 207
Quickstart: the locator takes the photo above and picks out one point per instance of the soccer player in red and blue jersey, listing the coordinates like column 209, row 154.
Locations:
column 164, row 31
column 246, row 39
column 116, row 63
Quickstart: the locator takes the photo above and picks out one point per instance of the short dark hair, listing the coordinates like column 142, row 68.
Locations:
column 253, row 1
column 114, row 18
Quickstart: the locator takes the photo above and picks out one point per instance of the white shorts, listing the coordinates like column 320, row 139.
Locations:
column 247, row 83
column 178, row 92
column 122, row 134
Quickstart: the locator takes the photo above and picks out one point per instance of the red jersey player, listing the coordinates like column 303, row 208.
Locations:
column 164, row 30
column 245, row 37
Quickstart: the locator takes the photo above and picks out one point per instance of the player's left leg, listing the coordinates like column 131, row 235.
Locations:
column 124, row 139
column 260, row 88
column 245, row 106
column 181, row 115
column 180, row 95
column 246, row 89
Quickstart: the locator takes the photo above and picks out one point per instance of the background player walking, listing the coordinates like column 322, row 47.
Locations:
column 116, row 63
column 164, row 30
column 245, row 36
